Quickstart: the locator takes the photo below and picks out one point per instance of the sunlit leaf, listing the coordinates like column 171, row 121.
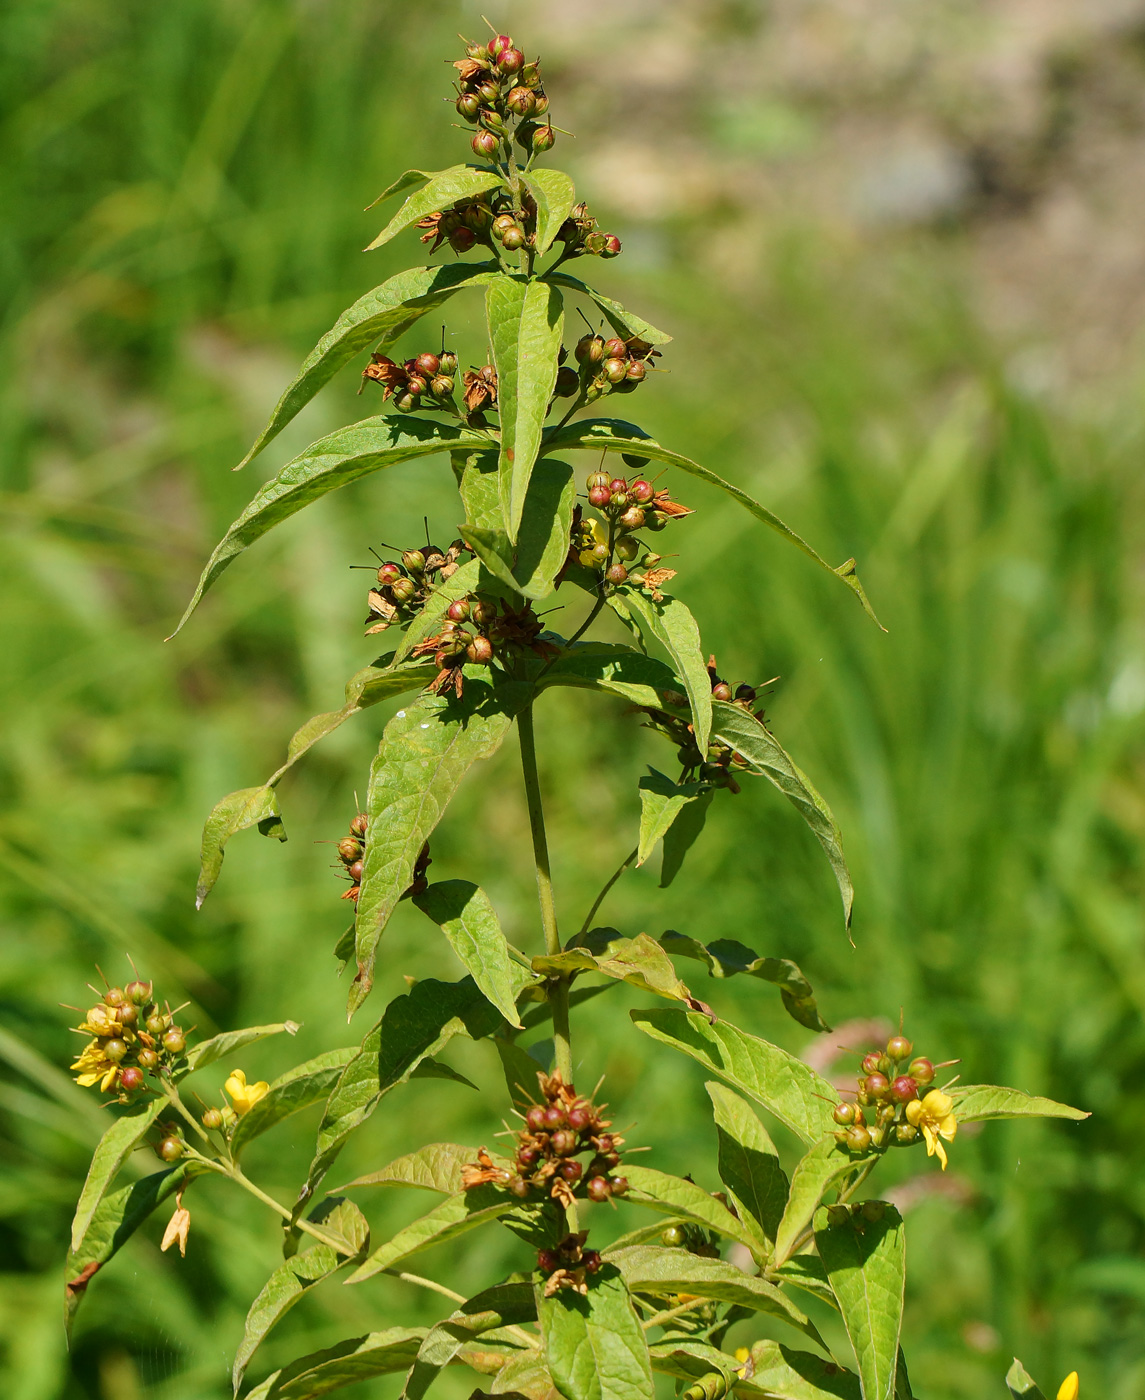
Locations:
column 776, row 1372
column 435, row 1167
column 1021, row 1384
column 981, row 1103
column 866, row 1263
column 683, row 834
column 291, row 1092
column 555, row 196
column 675, row 1196
column 208, row 1051
column 817, row 1171
column 347, row 1363
column 622, row 321
column 725, row 957
column 466, row 916
column 661, row 801
column 748, row 1165
column 114, row 1148
column 503, row 1305
column 619, row 670
column 594, row 1345
column 674, row 627
column 454, row 1216
column 255, row 806
column 443, row 188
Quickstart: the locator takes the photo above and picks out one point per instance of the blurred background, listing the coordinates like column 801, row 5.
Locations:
column 899, row 247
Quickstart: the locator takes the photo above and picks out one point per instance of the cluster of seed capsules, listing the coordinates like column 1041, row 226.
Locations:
column 608, row 545
column 717, row 765
column 132, row 1036
column 426, row 380
column 501, row 94
column 404, row 589
column 884, row 1091
column 612, row 366
column 352, row 852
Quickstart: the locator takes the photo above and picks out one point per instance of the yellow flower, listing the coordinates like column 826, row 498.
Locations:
column 244, row 1096
column 935, row 1116
column 1069, row 1387
column 95, row 1067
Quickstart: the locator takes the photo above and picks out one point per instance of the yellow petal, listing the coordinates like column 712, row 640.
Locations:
column 949, row 1127
column 109, row 1078
column 914, row 1111
column 940, row 1152
column 85, row 1081
column 1069, row 1387
column 937, row 1104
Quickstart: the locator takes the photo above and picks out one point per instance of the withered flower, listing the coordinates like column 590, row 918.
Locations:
column 480, row 387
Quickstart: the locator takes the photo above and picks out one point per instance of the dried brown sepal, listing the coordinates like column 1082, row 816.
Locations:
column 480, row 387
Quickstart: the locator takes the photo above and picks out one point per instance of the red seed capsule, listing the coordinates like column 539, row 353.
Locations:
column 131, row 1078
column 877, row 1085
column 355, row 872
column 485, row 144
column 535, row 1118
column 904, row 1088
column 498, row 46
column 922, row 1070
column 598, row 1189
column 599, row 496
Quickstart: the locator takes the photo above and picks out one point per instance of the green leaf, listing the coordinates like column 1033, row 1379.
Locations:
column 412, row 1027
column 478, row 483
column 435, row 1167
column 661, row 801
column 256, row 806
column 524, row 1374
column 546, row 525
column 437, row 1069
column 466, row 916
column 291, row 1092
column 519, row 1069
column 407, row 180
column 115, row 1219
column 666, row 1272
column 734, row 726
column 623, row 322
column 526, row 322
column 113, row 1149
column 358, row 1359
column 673, row 1195
column 613, row 435
column 982, row 1103
column 445, row 591
column 333, row 461
column 748, row 1165
column 806, row 1271
column 555, row 195
column 1021, row 1384
column 866, row 1263
column 776, row 1372
column 639, row 961
column 594, row 1346
column 817, row 1172
column 504, row 1305
column 293, row 1278
column 424, row 753
column 444, row 187
column 208, row 1051
column 786, row 1087
column 691, row 1359
column 618, row 670
column 454, row 1216
column 683, row 834
column 674, row 627
column 375, row 321
column 726, row 957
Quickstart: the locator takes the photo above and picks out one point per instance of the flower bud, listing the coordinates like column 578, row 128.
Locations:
column 627, row 549
column 468, row 106
column 212, row 1119
column 641, row 491
column 489, row 93
column 138, row 993
column 513, row 238
column 459, row 611
column 618, row 1185
column 498, row 46
column 595, row 479
column 589, row 350
column 632, row 519
column 612, row 246
column 503, row 222
column 355, row 872
column 568, row 382
column 597, row 1188
column 721, row 691
column 480, row 52
column 655, row 522
column 485, row 144
column 480, row 651
column 899, row 1048
column 872, row 1062
column 535, row 1118
column 614, row 370
column 599, row 553
column 637, row 371
column 876, row 1085
column 493, row 121
column 905, row 1134
column 591, row 1260
column 594, row 243
column 174, row 1041
column 360, row 825
column 563, row 1142
column 405, row 402
column 858, row 1139
column 615, row 348
column 170, row 1149
column 414, row 561
column 131, row 1079
column 838, row 1215
column 617, row 574
column 427, row 365
column 511, row 61
column 447, row 362
column 114, row 1049
column 521, row 102
column 904, row 1088
column 579, row 1117
column 547, row 1260
column 156, row 1023
column 114, row 996
column 416, row 386
column 554, row 1117
column 844, row 1113
column 519, row 1187
column 403, row 589
column 600, row 496
column 619, row 500
column 442, row 386
column 922, row 1070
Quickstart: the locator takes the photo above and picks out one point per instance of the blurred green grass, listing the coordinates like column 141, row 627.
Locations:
column 182, row 189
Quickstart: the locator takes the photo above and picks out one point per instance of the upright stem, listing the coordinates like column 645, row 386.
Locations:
column 558, row 988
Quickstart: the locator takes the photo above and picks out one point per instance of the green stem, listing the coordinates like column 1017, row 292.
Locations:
column 612, row 879
column 172, row 1096
column 658, row 1319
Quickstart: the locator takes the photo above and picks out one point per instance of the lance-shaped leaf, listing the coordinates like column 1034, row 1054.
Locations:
column 435, row 1167
column 661, row 802
column 674, row 627
column 982, row 1103
column 818, row 1170
column 1021, row 1384
column 519, row 1069
column 594, row 1346
column 424, row 753
column 443, row 188
column 622, row 321
column 506, row 1304
column 294, row 1277
column 555, row 196
column 683, row 834
column 115, row 1219
column 786, row 1087
column 478, row 484
column 867, row 1269
column 665, row 1272
column 256, row 806
column 347, row 1363
column 208, row 1051
column 639, row 961
column 748, row 1165
column 331, row 462
column 806, row 1271
column 726, row 957
column 618, row 670
column 673, row 1195
column 113, row 1149
column 741, row 731
column 613, row 435
column 466, row 916
column 455, row 1216
column 413, row 1027
column 375, row 321
column 290, row 1093
column 526, row 322
column 437, row 1069
column 429, row 621
column 776, row 1372
column 546, row 522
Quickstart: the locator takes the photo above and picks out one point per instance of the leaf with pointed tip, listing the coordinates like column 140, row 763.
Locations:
column 412, row 1027
column 741, row 731
column 867, row 1269
column 524, row 1375
column 748, row 1165
column 208, row 1051
column 817, row 1171
column 505, row 1304
column 665, row 1272
column 546, row 523
column 555, row 196
column 674, row 627
column 594, row 1346
column 983, row 1103
column 437, row 1069
column 466, row 916
column 333, row 461
column 613, row 435
column 444, row 187
column 435, row 1167
column 254, row 806
column 520, row 1070
column 526, row 322
column 290, row 1093
column 407, row 180
column 1021, row 1384
column 347, row 1363
column 294, row 1277
column 113, row 1149
column 639, row 961
column 424, row 753
column 786, row 1087
column 776, row 1372
column 375, row 321
column 674, row 1195
column 618, row 670
column 691, row 1358
column 726, row 957
column 494, row 549
column 661, row 801
column 623, row 322
column 683, row 834
column 453, row 1217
